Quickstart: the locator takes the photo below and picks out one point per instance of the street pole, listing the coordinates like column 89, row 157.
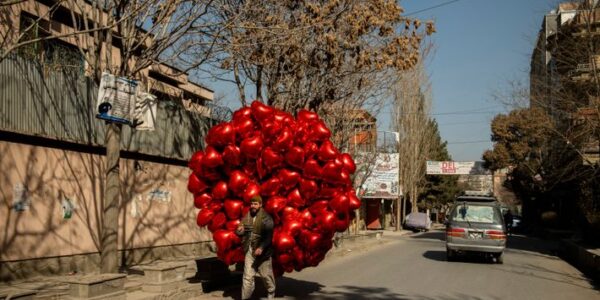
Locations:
column 110, row 211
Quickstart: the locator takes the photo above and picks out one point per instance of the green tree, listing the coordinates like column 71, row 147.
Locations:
column 439, row 189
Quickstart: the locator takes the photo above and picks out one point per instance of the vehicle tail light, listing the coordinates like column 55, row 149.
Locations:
column 495, row 234
column 456, row 232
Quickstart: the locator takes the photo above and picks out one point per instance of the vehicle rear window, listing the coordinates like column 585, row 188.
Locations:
column 475, row 213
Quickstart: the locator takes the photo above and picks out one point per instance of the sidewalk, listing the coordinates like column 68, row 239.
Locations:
column 176, row 279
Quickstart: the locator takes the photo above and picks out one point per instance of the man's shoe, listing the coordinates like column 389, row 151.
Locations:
column 271, row 296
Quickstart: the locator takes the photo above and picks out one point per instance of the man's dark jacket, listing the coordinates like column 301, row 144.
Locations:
column 262, row 227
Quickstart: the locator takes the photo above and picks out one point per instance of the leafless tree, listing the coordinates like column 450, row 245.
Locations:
column 412, row 104
column 306, row 54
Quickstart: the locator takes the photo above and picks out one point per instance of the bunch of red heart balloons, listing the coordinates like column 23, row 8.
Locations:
column 291, row 162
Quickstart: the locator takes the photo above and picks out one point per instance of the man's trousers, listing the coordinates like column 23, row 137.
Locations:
column 251, row 268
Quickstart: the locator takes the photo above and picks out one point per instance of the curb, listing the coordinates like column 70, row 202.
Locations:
column 581, row 257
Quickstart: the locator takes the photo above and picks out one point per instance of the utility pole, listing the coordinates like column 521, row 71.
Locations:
column 112, row 191
column 109, row 262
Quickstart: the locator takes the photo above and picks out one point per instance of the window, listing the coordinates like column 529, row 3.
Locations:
column 53, row 54
column 475, row 213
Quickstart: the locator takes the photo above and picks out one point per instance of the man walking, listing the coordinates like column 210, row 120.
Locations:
column 256, row 230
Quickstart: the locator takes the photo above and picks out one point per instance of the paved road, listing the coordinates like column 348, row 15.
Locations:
column 415, row 267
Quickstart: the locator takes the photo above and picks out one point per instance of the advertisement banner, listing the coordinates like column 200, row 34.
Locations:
column 456, row 168
column 116, row 98
column 381, row 174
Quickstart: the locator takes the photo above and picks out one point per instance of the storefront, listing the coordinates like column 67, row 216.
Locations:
column 380, row 191
column 380, row 213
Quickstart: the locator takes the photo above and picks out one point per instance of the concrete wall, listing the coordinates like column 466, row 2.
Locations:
column 156, row 209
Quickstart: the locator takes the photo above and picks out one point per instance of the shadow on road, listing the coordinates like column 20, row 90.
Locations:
column 290, row 288
column 469, row 258
column 435, row 235
column 532, row 244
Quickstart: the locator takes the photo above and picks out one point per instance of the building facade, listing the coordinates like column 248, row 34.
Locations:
column 52, row 157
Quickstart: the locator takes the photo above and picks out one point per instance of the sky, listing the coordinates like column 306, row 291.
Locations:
column 479, row 46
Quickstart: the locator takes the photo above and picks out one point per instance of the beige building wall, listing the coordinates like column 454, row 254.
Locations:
column 156, row 210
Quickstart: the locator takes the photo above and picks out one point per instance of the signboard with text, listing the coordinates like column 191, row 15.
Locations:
column 456, row 168
column 382, row 182
column 116, row 99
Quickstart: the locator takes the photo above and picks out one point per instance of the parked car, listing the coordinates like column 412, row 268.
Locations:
column 417, row 221
column 475, row 225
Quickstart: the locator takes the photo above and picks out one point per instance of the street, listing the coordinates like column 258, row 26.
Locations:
column 415, row 267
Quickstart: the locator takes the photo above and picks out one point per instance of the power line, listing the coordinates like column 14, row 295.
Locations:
column 430, row 8
column 449, row 113
column 464, row 123
column 469, row 142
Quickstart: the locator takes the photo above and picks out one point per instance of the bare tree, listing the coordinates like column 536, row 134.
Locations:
column 412, row 103
column 305, row 54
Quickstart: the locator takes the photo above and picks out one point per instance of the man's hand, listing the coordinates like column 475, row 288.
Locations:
column 240, row 228
column 258, row 252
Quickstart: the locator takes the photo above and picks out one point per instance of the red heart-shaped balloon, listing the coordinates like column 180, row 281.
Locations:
column 266, row 151
column 233, row 208
column 348, row 163
column 196, row 185
column 232, row 225
column 195, row 162
column 312, row 169
column 284, row 242
column 217, row 222
column 327, row 151
column 214, row 205
column 326, row 221
column 308, row 188
column 204, row 217
column 242, row 113
column 285, row 259
column 344, row 178
column 212, row 158
column 201, row 200
column 293, row 227
column 318, row 207
column 232, row 155
column 238, row 181
column 261, row 111
column 271, row 159
column 209, row 174
column 252, row 190
column 220, row 190
column 306, row 218
column 225, row 239
column 319, row 131
column 288, row 178
column 270, row 187
column 284, row 140
column 328, row 192
column 283, row 117
column 340, row 203
column 295, row 199
column 243, row 128
column 342, row 222
column 331, row 172
column 353, row 201
column 272, row 129
column 310, row 150
column 289, row 213
column 295, row 157
column 221, row 135
column 307, row 116
column 252, row 146
column 275, row 204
